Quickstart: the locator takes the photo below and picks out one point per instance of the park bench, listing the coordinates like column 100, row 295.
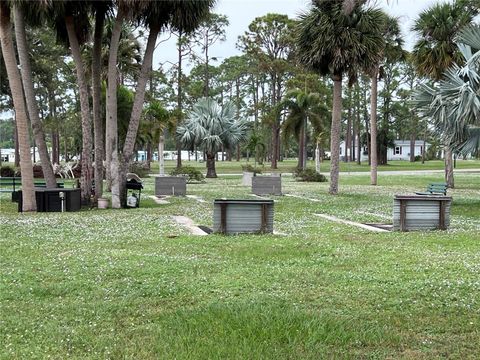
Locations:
column 43, row 184
column 10, row 184
column 13, row 184
column 435, row 189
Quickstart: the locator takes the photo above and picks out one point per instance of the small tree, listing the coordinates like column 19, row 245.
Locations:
column 212, row 127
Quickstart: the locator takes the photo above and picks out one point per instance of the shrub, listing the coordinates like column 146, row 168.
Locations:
column 191, row 173
column 250, row 168
column 37, row 171
column 7, row 171
column 140, row 168
column 309, row 175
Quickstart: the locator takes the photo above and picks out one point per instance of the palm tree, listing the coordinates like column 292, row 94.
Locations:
column 391, row 48
column 436, row 51
column 302, row 108
column 157, row 120
column 212, row 128
column 454, row 104
column 333, row 43
column 185, row 15
column 14, row 79
column 100, row 9
column 31, row 102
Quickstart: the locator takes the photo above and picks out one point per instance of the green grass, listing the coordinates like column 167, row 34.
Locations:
column 286, row 166
column 133, row 284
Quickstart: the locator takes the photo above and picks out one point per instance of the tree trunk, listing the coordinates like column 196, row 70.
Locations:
column 301, row 148
column 179, row 98
column 97, row 96
column 21, row 120
column 138, row 101
column 335, row 134
column 348, row 137
column 304, row 139
column 161, row 160
column 373, row 128
column 317, row 158
column 211, row 173
column 16, row 163
column 366, row 119
column 449, row 167
column 26, row 72
column 85, row 179
column 111, row 129
column 412, row 146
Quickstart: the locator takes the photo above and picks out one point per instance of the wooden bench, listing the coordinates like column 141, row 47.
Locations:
column 435, row 189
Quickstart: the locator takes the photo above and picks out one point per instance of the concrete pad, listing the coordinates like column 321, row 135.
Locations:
column 188, row 223
column 352, row 223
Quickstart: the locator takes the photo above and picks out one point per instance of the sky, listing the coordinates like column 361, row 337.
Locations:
column 241, row 13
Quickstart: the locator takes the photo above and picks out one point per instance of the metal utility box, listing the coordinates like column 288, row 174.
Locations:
column 421, row 212
column 170, row 185
column 50, row 200
column 243, row 216
column 267, row 185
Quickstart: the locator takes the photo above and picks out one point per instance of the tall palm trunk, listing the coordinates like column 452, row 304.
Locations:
column 137, row 108
column 413, row 136
column 111, row 130
column 26, row 72
column 449, row 167
column 373, row 127
column 301, row 148
column 335, row 134
column 28, row 192
column 180, row 98
column 86, row 161
column 97, row 95
column 161, row 160
column 211, row 172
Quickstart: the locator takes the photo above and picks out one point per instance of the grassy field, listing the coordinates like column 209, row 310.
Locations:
column 286, row 166
column 133, row 284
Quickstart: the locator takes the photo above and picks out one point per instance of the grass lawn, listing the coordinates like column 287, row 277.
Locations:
column 287, row 166
column 133, row 284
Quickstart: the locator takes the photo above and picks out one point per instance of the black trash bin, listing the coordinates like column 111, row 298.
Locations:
column 134, row 190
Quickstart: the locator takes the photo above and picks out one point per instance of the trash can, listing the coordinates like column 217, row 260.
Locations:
column 134, row 190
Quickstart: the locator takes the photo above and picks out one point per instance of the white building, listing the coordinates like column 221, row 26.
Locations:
column 8, row 155
column 400, row 151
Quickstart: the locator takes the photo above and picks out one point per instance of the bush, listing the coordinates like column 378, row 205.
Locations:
column 250, row 168
column 191, row 173
column 140, row 168
column 7, row 171
column 309, row 175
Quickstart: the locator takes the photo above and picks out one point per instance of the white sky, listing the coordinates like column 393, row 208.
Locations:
column 241, row 13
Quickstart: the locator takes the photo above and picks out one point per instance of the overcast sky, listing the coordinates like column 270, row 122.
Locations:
column 241, row 13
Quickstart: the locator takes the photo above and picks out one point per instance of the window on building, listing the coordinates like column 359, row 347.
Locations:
column 398, row 150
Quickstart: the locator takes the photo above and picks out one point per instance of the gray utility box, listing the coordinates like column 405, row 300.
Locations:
column 50, row 200
column 170, row 185
column 243, row 216
column 267, row 185
column 421, row 212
